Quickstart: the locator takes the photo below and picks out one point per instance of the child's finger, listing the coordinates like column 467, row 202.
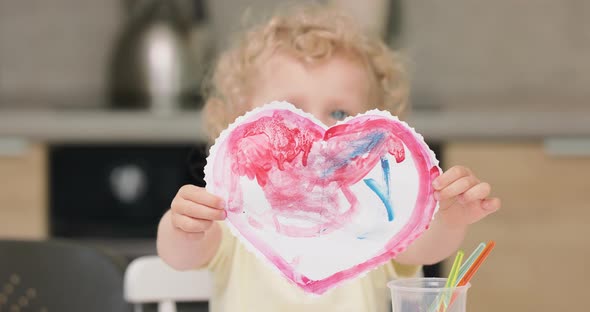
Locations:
column 485, row 207
column 194, row 236
column 477, row 192
column 457, row 187
column 200, row 195
column 190, row 225
column 491, row 204
column 449, row 176
column 198, row 211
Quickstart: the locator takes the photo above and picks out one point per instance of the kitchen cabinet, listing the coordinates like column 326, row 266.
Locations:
column 541, row 260
column 23, row 199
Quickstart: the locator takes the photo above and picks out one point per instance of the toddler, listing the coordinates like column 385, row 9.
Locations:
column 320, row 61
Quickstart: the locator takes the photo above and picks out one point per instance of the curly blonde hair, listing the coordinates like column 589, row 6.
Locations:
column 312, row 34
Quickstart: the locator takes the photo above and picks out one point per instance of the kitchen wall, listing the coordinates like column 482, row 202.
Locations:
column 500, row 54
column 55, row 52
column 472, row 55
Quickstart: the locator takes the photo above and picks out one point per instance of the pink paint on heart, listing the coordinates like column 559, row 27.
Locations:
column 303, row 168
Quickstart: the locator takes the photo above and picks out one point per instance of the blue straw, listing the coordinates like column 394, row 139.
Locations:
column 469, row 262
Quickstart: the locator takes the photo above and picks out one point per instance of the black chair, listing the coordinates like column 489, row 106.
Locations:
column 62, row 276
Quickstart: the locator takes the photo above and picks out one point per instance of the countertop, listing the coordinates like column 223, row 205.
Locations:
column 87, row 126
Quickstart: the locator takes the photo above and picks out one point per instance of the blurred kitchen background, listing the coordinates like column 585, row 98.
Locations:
column 100, row 122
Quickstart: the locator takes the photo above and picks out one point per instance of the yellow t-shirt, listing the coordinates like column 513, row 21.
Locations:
column 244, row 283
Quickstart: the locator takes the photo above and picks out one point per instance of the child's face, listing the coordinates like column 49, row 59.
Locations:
column 329, row 90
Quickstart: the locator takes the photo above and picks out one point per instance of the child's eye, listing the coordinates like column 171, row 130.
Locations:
column 339, row 114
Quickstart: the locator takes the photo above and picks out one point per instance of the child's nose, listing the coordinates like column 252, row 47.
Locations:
column 328, row 121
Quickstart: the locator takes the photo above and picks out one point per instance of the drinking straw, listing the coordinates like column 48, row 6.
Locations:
column 454, row 269
column 473, row 269
column 477, row 263
column 464, row 267
column 467, row 264
column 439, row 302
column 452, row 277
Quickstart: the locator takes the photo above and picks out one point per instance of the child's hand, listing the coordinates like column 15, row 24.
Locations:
column 193, row 210
column 463, row 197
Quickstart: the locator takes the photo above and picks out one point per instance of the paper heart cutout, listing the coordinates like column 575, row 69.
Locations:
column 323, row 205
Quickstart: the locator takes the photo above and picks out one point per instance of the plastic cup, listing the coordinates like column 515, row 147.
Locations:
column 426, row 295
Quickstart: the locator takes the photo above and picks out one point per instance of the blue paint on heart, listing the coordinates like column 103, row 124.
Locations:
column 383, row 192
column 359, row 148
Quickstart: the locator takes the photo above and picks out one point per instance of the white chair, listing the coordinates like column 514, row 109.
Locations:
column 149, row 280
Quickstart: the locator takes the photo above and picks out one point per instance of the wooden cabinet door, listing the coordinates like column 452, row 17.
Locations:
column 23, row 190
column 542, row 258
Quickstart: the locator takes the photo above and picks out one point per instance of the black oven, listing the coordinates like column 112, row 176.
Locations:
column 116, row 191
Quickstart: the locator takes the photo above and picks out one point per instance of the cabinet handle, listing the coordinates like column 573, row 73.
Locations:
column 567, row 147
column 13, row 147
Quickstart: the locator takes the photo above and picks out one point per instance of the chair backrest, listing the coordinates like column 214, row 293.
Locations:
column 56, row 275
column 148, row 279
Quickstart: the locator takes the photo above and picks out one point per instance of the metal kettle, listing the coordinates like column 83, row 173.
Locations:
column 151, row 65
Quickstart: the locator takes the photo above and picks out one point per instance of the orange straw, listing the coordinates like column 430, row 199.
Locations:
column 476, row 264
